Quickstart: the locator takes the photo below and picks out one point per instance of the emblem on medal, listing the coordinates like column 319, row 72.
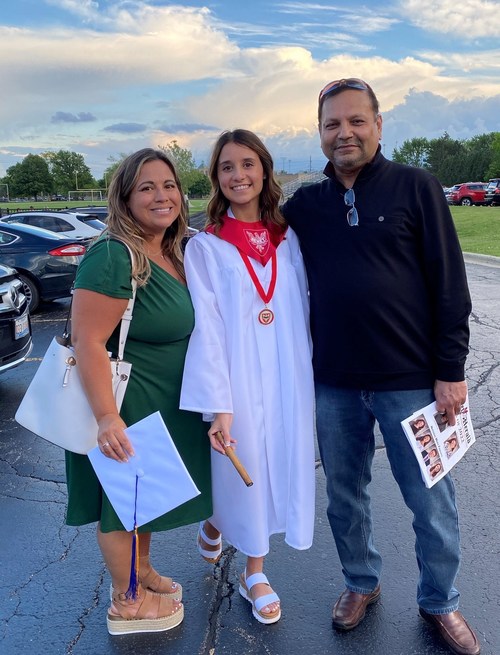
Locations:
column 266, row 316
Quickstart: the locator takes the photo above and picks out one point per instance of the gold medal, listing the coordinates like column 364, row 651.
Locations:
column 266, row 316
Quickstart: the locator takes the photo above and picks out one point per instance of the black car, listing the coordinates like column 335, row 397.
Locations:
column 96, row 211
column 45, row 261
column 492, row 195
column 15, row 327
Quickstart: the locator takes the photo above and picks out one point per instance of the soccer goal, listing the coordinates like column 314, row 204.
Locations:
column 90, row 195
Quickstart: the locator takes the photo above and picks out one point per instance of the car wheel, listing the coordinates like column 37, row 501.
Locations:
column 467, row 202
column 31, row 292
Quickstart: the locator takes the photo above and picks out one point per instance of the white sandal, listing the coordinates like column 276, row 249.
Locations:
column 210, row 556
column 259, row 603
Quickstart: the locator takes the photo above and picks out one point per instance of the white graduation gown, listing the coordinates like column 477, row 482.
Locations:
column 262, row 374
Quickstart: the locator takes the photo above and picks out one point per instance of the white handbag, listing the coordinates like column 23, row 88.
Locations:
column 55, row 405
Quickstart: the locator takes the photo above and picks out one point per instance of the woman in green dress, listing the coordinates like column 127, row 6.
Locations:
column 147, row 212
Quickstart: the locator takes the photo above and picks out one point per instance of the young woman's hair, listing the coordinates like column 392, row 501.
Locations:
column 271, row 190
column 122, row 224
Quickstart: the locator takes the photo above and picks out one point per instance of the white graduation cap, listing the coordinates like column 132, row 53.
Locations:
column 157, row 470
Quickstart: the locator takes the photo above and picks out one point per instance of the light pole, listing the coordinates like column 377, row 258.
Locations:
column 76, row 181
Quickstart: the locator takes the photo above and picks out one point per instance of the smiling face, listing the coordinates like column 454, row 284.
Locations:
column 350, row 132
column 155, row 200
column 241, row 178
column 425, row 439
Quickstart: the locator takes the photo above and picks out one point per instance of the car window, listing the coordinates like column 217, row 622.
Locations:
column 94, row 222
column 49, row 223
column 7, row 238
column 60, row 225
column 13, row 219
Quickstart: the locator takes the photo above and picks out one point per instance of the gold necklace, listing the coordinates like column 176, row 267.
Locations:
column 155, row 254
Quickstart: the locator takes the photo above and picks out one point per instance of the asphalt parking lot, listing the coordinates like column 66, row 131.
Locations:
column 54, row 586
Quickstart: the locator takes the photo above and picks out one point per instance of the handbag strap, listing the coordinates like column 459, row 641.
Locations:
column 125, row 319
column 127, row 314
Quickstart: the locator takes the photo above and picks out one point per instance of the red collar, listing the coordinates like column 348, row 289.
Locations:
column 254, row 239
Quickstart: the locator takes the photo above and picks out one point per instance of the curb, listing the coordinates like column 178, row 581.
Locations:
column 485, row 260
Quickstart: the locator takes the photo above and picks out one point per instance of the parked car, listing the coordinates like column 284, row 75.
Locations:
column 451, row 190
column 468, row 193
column 45, row 261
column 492, row 194
column 74, row 225
column 15, row 326
column 93, row 210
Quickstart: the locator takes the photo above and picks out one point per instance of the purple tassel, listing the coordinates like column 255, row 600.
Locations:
column 133, row 587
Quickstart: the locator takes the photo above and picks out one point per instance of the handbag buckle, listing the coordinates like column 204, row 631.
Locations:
column 70, row 361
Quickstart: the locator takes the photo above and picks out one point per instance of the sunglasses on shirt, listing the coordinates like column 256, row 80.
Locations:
column 352, row 214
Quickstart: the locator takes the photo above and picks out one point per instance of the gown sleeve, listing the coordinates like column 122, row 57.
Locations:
column 206, row 385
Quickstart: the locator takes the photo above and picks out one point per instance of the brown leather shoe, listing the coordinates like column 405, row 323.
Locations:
column 455, row 630
column 350, row 609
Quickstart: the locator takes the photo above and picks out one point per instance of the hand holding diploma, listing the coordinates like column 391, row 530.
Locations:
column 228, row 450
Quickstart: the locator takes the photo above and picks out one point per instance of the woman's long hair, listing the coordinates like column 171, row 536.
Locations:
column 122, row 224
column 271, row 190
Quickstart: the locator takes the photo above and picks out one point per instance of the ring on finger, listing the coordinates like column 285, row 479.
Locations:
column 106, row 443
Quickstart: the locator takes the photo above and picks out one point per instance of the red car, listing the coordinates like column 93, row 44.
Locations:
column 468, row 193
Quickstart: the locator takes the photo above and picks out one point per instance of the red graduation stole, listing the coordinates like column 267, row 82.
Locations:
column 259, row 242
column 253, row 239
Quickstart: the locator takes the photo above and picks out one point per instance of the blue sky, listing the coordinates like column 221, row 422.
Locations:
column 105, row 77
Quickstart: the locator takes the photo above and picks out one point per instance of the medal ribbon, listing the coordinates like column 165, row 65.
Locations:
column 266, row 297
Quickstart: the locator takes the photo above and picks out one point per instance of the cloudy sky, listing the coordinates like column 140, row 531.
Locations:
column 104, row 77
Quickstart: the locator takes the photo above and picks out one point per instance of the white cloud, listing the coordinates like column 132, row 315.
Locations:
column 74, row 70
column 280, row 87
column 430, row 115
column 357, row 21
column 85, row 9
column 484, row 62
column 137, row 65
column 469, row 19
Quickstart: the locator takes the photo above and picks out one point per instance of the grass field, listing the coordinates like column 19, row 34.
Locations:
column 195, row 206
column 478, row 227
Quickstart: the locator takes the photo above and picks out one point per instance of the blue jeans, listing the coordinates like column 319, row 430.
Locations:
column 345, row 421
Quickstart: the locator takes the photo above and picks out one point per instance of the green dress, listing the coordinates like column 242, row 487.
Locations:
column 162, row 322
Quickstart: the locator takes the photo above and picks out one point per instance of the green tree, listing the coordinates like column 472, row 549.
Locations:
column 110, row 170
column 494, row 167
column 200, row 186
column 446, row 160
column 184, row 163
column 413, row 152
column 478, row 157
column 29, row 178
column 69, row 171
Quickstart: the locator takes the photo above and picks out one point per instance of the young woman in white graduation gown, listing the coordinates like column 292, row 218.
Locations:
column 248, row 366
